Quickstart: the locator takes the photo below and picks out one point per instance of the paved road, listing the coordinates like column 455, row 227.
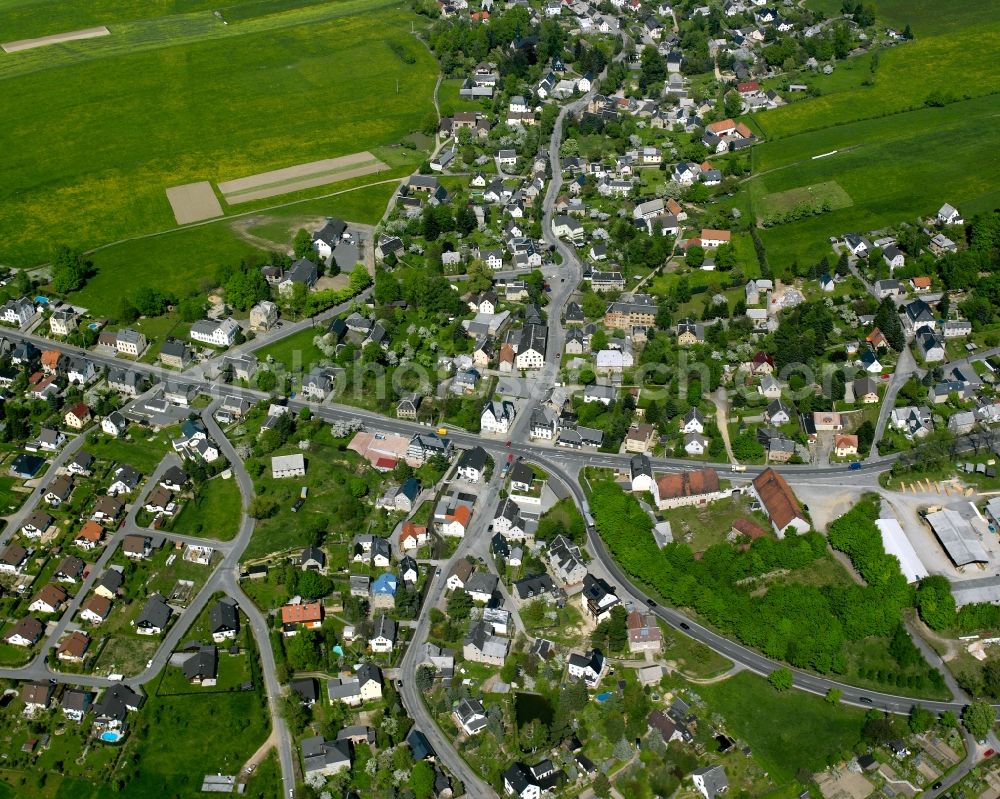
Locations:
column 736, row 652
column 224, row 578
column 905, row 367
column 411, row 696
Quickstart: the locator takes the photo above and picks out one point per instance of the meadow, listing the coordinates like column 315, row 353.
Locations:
column 923, row 16
column 131, row 116
column 893, row 169
column 184, row 261
column 905, row 77
column 793, row 717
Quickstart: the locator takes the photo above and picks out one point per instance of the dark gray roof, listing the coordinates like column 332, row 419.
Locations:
column 223, row 616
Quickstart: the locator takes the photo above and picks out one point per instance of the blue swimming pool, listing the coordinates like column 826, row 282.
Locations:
column 604, row 696
column 110, row 736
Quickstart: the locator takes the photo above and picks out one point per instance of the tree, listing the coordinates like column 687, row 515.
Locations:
column 979, row 718
column 921, row 719
column 653, row 69
column 593, row 305
column 149, row 301
column 833, row 696
column 602, row 786
column 733, row 104
column 246, row 287
column 694, row 257
column 266, row 380
column 935, row 602
column 302, row 244
column 459, row 605
column 69, row 269
column 424, row 679
column 887, row 320
column 127, row 311
column 422, row 780
column 780, row 679
column 262, row 507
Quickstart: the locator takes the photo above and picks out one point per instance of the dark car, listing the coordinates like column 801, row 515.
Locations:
column 937, row 785
column 864, row 700
column 854, row 466
column 685, row 625
column 651, row 603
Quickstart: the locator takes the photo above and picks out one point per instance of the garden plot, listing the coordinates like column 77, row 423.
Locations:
column 56, row 38
column 301, row 176
column 193, row 202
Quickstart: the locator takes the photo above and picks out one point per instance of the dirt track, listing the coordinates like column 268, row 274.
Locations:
column 55, row 38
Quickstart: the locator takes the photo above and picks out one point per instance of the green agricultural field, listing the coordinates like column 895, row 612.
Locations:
column 169, row 100
column 906, row 76
column 896, row 168
column 792, row 717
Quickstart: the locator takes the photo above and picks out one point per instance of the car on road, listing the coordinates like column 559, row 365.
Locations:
column 685, row 625
column 989, row 753
column 855, row 466
column 651, row 603
column 508, row 443
column 864, row 700
column 438, row 572
column 936, row 785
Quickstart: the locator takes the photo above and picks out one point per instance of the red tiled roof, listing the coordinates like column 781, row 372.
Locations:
column 749, row 529
column 688, row 484
column 777, row 497
column 723, row 124
column 302, row 613
column 716, row 235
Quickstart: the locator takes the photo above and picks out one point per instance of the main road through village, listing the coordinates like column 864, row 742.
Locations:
column 564, row 466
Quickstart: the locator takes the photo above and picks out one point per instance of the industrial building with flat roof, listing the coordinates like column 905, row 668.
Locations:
column 958, row 536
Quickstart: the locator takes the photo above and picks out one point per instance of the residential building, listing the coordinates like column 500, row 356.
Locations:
column 779, row 503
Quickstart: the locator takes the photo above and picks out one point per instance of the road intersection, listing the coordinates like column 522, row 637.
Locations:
column 563, row 465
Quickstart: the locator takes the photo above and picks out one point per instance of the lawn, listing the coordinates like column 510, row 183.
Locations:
column 793, row 718
column 141, row 451
column 296, row 353
column 180, row 739
column 450, row 102
column 172, row 100
column 213, row 513
column 891, row 169
column 10, row 499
